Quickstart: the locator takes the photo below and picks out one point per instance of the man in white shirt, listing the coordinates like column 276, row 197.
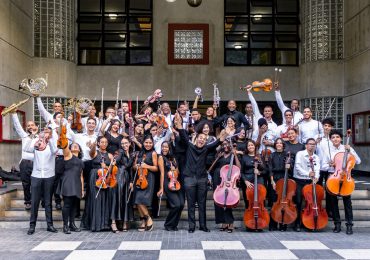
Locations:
column 329, row 164
column 303, row 174
column 252, row 132
column 294, row 105
column 266, row 137
column 309, row 128
column 29, row 137
column 267, row 111
column 42, row 179
column 166, row 110
column 92, row 112
column 282, row 130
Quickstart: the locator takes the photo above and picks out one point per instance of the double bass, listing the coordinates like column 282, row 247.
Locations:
column 227, row 193
column 341, row 183
column 256, row 215
column 284, row 210
column 314, row 216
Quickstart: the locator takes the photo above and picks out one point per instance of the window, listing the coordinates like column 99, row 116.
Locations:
column 261, row 32
column 115, row 32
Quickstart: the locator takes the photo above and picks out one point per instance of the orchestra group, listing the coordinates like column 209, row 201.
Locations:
column 121, row 164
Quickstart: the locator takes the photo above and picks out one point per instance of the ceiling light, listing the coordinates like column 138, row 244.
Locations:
column 123, row 36
column 245, row 35
column 257, row 17
column 112, row 16
column 238, row 46
column 171, row 1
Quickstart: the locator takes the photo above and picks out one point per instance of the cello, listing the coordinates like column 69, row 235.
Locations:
column 314, row 216
column 227, row 193
column 256, row 215
column 341, row 183
column 284, row 210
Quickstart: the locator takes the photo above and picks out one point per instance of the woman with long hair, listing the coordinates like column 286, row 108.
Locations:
column 175, row 198
column 112, row 134
column 145, row 161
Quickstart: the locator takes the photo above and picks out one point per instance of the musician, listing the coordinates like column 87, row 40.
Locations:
column 211, row 113
column 184, row 112
column 238, row 116
column 277, row 172
column 303, row 174
column 125, row 107
column 224, row 216
column 146, row 159
column 267, row 111
column 336, row 137
column 230, row 126
column 309, row 128
column 98, row 206
column 179, row 148
column 266, row 136
column 138, row 137
column 197, row 118
column 121, row 209
column 322, row 149
column 29, row 137
column 112, row 134
column 71, row 186
column 166, row 110
column 252, row 132
column 292, row 145
column 195, row 175
column 240, row 140
column 175, row 199
column 43, row 178
column 294, row 106
column 282, row 130
column 91, row 114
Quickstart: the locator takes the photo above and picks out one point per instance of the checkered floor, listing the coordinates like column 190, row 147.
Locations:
column 308, row 249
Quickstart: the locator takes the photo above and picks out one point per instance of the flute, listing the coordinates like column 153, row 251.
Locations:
column 117, row 92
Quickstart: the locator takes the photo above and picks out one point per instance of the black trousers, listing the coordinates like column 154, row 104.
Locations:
column 41, row 188
column 328, row 203
column 69, row 209
column 196, row 191
column 59, row 170
column 298, row 198
column 347, row 202
column 26, row 167
column 175, row 203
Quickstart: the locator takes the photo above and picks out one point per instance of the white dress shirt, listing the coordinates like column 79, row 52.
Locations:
column 44, row 113
column 302, row 166
column 271, row 124
column 82, row 139
column 296, row 114
column 333, row 152
column 252, row 133
column 310, row 129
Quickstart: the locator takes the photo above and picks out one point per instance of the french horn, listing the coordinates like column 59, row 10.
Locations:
column 35, row 86
column 81, row 105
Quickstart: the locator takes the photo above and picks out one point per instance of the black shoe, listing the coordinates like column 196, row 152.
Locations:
column 31, row 230
column 191, row 230
column 66, row 230
column 349, row 230
column 28, row 206
column 205, row 229
column 74, row 228
column 337, row 228
column 58, row 206
column 168, row 229
column 43, row 204
column 175, row 229
column 297, row 228
column 52, row 229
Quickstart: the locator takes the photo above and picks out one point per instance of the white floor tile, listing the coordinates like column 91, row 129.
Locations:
column 140, row 245
column 359, row 181
column 181, row 255
column 57, row 246
column 271, row 254
column 222, row 245
column 91, row 255
column 353, row 253
column 308, row 244
column 366, row 183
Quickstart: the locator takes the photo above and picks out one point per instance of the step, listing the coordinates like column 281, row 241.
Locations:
column 19, row 203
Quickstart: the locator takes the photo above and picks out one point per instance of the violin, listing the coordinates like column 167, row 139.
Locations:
column 62, row 142
column 43, row 140
column 265, row 85
column 76, row 121
column 341, row 182
column 284, row 210
column 173, row 175
column 161, row 121
column 107, row 176
column 285, row 134
column 266, row 153
column 227, row 193
column 256, row 215
column 142, row 181
column 157, row 95
column 314, row 216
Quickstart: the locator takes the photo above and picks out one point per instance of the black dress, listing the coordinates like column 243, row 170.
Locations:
column 247, row 169
column 175, row 199
column 114, row 143
column 98, row 208
column 70, row 184
column 222, row 216
column 145, row 197
column 120, row 210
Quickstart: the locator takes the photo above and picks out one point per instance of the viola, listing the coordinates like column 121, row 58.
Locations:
column 142, row 173
column 227, row 193
column 284, row 210
column 107, row 176
column 256, row 215
column 62, row 142
column 314, row 216
column 341, row 182
column 173, row 175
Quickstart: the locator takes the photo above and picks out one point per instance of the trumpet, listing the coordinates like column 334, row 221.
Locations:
column 14, row 106
column 198, row 91
column 35, row 86
column 265, row 85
